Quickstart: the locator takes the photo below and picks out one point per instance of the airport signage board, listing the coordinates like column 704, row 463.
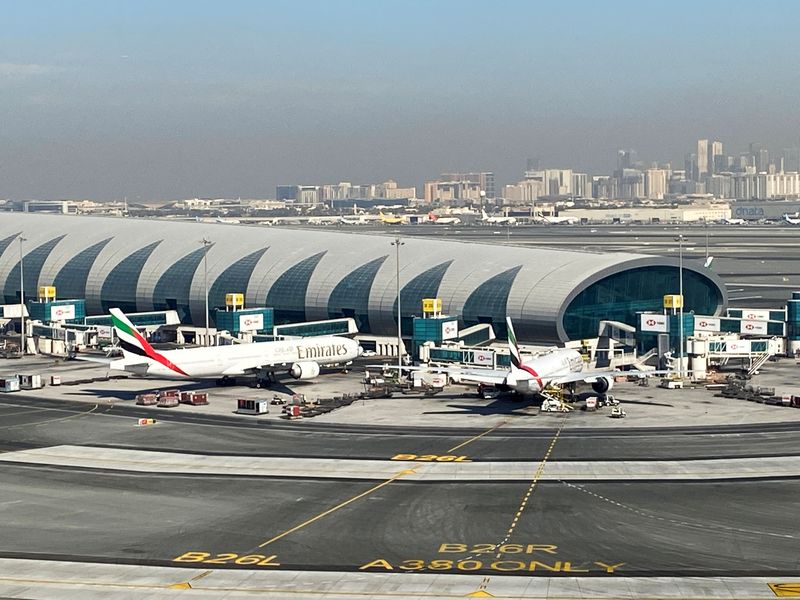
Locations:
column 62, row 312
column 738, row 346
column 707, row 324
column 753, row 327
column 104, row 332
column 749, row 314
column 449, row 330
column 654, row 322
column 254, row 322
column 483, row 357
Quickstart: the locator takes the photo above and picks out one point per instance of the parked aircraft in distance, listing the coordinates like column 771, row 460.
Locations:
column 443, row 220
column 792, row 219
column 391, row 219
column 497, row 220
column 301, row 357
column 551, row 220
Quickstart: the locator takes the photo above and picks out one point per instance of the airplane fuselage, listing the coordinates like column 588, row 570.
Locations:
column 535, row 374
column 240, row 359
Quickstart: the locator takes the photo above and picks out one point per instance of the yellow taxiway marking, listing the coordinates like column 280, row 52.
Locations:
column 536, row 477
column 477, row 437
column 331, row 510
column 785, row 590
column 187, row 585
column 528, row 493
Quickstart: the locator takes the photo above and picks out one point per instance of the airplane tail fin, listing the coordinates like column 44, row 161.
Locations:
column 432, row 216
column 484, row 216
column 134, row 346
column 130, row 340
column 516, row 359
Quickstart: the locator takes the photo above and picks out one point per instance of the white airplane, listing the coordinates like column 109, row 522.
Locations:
column 497, row 220
column 301, row 357
column 792, row 219
column 734, row 221
column 559, row 367
column 550, row 220
column 443, row 220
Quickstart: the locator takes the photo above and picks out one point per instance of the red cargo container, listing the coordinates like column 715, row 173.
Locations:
column 146, row 399
column 194, row 398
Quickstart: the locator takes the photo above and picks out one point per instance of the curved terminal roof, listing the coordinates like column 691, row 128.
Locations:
column 144, row 264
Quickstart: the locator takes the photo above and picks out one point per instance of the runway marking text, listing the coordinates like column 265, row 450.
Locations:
column 228, row 558
column 474, row 561
column 430, row 457
column 502, row 566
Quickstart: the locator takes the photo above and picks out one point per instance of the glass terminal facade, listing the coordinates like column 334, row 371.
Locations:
column 288, row 294
column 71, row 279
column 350, row 297
column 620, row 296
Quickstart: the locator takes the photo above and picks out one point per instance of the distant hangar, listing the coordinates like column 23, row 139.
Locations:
column 142, row 265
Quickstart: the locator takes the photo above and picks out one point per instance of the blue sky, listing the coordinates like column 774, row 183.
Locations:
column 174, row 99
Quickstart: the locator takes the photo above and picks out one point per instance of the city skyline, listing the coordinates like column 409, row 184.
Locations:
column 187, row 99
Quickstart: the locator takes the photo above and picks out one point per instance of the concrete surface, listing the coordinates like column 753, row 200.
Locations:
column 67, row 580
column 457, row 406
column 429, row 469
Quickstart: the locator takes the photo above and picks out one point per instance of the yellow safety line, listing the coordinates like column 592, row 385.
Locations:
column 536, row 477
column 528, row 492
column 477, row 437
column 337, row 507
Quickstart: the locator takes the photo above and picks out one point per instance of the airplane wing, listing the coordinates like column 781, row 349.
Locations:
column 588, row 376
column 95, row 359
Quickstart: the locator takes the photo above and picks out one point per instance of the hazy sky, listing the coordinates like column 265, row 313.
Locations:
column 173, row 99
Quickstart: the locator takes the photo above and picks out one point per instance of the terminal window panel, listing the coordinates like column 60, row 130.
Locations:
column 619, row 297
column 233, row 280
column 6, row 242
column 32, row 265
column 424, row 285
column 489, row 301
column 119, row 288
column 287, row 296
column 350, row 297
column 172, row 290
column 72, row 277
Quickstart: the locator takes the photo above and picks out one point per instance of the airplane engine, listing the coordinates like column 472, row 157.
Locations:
column 603, row 385
column 304, row 370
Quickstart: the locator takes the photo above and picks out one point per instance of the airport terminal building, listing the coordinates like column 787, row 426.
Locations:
column 304, row 275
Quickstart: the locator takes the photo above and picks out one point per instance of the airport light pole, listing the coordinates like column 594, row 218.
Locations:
column 680, row 239
column 397, row 243
column 206, row 244
column 23, row 345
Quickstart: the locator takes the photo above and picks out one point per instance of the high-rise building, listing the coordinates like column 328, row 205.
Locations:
column 655, row 183
column 286, row 192
column 716, row 159
column 485, row 180
column 791, row 159
column 690, row 166
column 702, row 160
column 626, row 159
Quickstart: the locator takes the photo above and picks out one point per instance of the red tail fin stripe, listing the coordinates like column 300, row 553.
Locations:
column 151, row 353
column 528, row 369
